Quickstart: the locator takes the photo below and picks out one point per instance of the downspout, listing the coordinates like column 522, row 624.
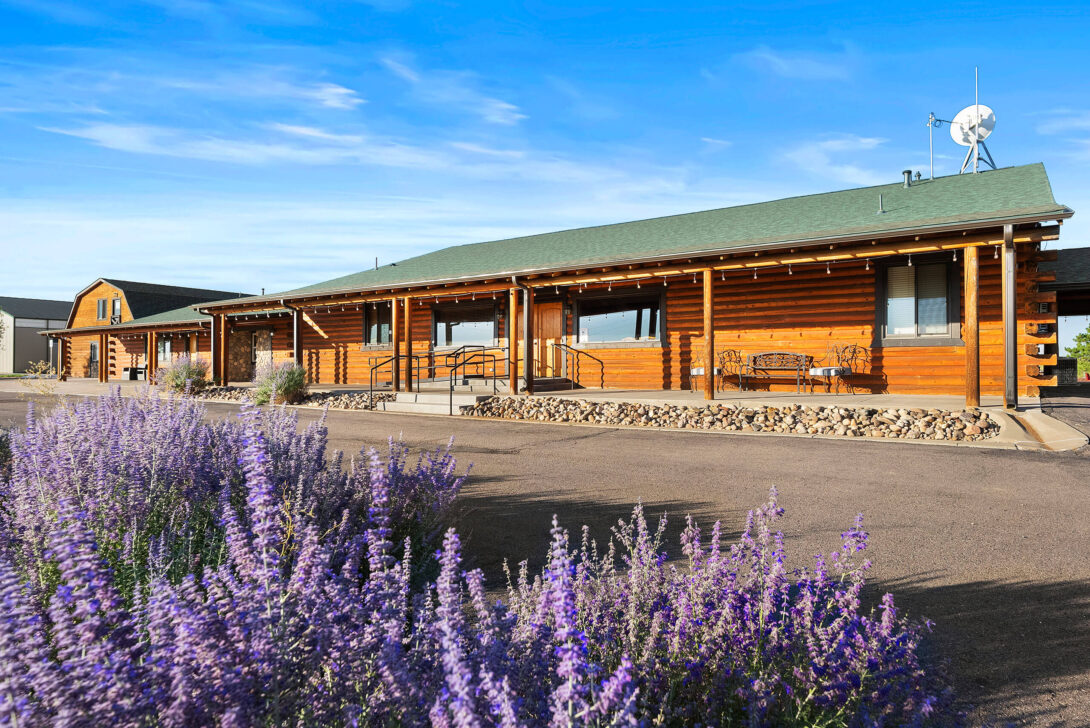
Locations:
column 296, row 352
column 527, row 333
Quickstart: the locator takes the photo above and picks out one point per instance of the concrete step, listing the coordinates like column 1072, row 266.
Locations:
column 439, row 397
column 419, row 408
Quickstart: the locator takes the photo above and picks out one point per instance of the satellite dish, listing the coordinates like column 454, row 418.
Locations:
column 972, row 124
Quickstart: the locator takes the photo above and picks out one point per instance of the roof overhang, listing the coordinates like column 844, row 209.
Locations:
column 283, row 299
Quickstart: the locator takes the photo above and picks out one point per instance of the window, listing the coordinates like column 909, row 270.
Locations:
column 162, row 350
column 464, row 325
column 918, row 305
column 94, row 352
column 376, row 323
column 101, row 309
column 611, row 319
column 116, row 309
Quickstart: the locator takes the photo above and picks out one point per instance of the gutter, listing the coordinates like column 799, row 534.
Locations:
column 758, row 247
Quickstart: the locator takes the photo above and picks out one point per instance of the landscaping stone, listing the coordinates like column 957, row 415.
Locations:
column 333, row 400
column 914, row 424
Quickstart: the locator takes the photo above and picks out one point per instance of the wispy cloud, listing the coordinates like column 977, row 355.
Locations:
column 454, row 90
column 268, row 83
column 329, row 149
column 488, row 151
column 1062, row 121
column 825, row 157
column 801, row 65
column 714, row 143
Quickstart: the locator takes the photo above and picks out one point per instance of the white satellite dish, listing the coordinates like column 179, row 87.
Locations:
column 970, row 128
column 972, row 124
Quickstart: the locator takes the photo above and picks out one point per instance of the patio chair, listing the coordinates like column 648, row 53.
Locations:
column 731, row 362
column 840, row 363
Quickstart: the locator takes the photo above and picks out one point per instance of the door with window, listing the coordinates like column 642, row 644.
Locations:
column 548, row 329
column 92, row 360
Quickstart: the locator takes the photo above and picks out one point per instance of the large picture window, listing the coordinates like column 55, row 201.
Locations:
column 918, row 305
column 376, row 324
column 473, row 325
column 611, row 319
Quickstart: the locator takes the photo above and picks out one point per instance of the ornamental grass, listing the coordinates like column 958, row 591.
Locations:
column 302, row 603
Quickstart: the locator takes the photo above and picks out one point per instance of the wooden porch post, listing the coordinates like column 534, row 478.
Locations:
column 213, row 348
column 395, row 340
column 225, row 349
column 709, row 335
column 409, row 345
column 296, row 338
column 152, row 362
column 971, row 328
column 62, row 359
column 512, row 340
column 103, row 358
column 1010, row 320
column 528, row 338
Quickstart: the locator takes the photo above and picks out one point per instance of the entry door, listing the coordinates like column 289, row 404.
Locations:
column 548, row 329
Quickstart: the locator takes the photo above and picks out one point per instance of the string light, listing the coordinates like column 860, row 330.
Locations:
column 868, row 264
column 789, row 271
column 827, row 269
column 996, row 255
column 664, row 283
column 955, row 256
column 754, row 274
column 723, row 275
column 637, row 284
column 694, row 277
column 611, row 286
column 910, row 261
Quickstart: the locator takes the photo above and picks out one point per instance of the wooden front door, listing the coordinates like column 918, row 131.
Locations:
column 548, row 329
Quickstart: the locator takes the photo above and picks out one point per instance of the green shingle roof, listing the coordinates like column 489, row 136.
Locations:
column 957, row 201
column 1072, row 268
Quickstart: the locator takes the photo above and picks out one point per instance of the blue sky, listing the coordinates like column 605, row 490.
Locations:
column 268, row 143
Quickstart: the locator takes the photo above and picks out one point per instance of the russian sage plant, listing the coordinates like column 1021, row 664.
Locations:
column 284, row 383
column 184, row 374
column 308, row 619
column 151, row 475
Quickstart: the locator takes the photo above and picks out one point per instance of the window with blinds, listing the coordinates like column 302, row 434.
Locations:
column 917, row 300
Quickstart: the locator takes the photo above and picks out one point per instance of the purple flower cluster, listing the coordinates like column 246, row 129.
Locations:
column 154, row 479
column 311, row 617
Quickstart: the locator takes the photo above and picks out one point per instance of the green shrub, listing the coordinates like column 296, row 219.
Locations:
column 280, row 384
column 184, row 374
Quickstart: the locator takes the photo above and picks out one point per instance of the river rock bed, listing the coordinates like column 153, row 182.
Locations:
column 333, row 400
column 903, row 423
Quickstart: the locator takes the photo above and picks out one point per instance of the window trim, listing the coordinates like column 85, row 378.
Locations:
column 577, row 304
column 102, row 310
column 953, row 304
column 433, row 338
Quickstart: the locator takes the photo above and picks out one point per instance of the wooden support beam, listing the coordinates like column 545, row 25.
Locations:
column 801, row 258
column 152, row 360
column 103, row 359
column 395, row 342
column 528, row 338
column 296, row 337
column 409, row 345
column 213, row 348
column 62, row 360
column 512, row 340
column 709, row 334
column 225, row 350
column 1010, row 319
column 970, row 333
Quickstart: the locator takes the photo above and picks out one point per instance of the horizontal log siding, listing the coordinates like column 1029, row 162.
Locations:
column 807, row 311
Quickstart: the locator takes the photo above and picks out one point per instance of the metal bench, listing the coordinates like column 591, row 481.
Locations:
column 775, row 365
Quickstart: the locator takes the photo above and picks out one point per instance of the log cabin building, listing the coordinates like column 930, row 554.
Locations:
column 122, row 329
column 937, row 281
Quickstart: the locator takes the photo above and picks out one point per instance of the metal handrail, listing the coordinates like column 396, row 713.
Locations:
column 463, row 358
column 576, row 354
column 371, row 379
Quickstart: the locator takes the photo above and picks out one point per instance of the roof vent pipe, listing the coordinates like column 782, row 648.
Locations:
column 908, row 177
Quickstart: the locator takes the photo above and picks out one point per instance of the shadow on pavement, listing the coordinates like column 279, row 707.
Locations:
column 498, row 526
column 1009, row 644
